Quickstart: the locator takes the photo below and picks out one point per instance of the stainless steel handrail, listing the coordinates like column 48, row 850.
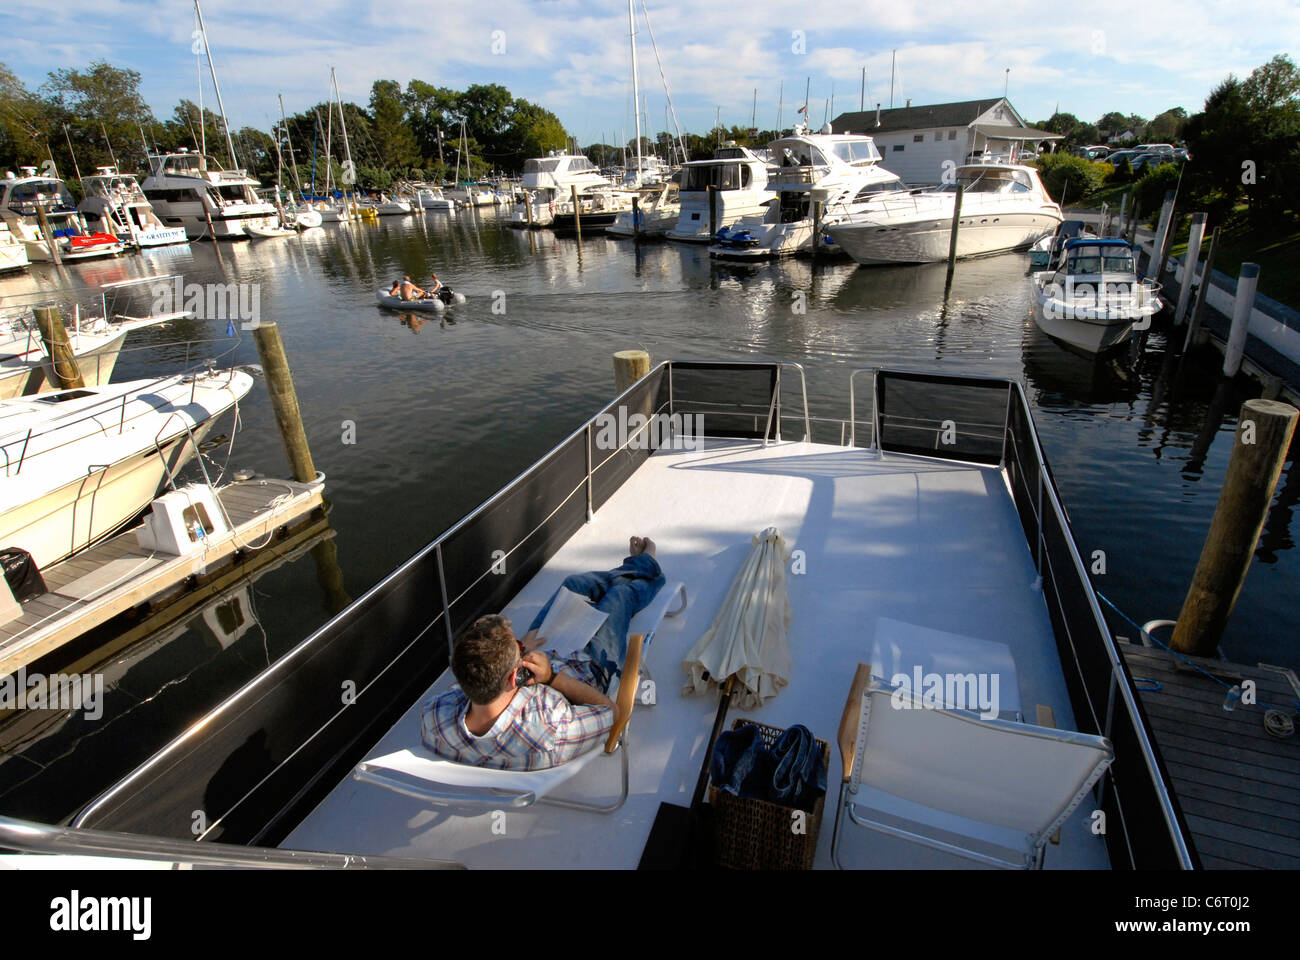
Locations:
column 39, row 838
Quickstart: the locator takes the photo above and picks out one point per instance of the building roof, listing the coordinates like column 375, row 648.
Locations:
column 915, row 118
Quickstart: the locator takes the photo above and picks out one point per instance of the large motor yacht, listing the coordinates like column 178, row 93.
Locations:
column 548, row 188
column 24, row 198
column 1004, row 207
column 738, row 177
column 190, row 190
column 114, row 203
column 837, row 171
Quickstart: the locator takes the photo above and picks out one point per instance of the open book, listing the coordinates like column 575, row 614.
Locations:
column 570, row 623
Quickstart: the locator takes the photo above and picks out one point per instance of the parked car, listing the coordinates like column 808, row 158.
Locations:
column 1118, row 157
column 1092, row 153
column 1165, row 148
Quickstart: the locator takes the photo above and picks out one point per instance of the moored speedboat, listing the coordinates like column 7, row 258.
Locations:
column 1004, row 207
column 1094, row 298
column 81, row 463
column 13, row 254
column 548, row 188
column 657, row 212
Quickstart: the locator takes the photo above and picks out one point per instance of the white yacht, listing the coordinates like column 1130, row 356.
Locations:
column 738, row 177
column 1093, row 298
column 96, row 343
column 933, row 556
column 657, row 212
column 114, row 203
column 13, row 254
column 432, row 198
column 189, row 189
column 23, row 195
column 81, row 463
column 1004, row 207
column 839, row 171
column 548, row 189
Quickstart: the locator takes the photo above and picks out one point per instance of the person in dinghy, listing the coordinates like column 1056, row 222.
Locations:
column 443, row 292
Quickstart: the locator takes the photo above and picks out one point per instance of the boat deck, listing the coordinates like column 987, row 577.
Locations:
column 1235, row 782
column 927, row 542
column 117, row 574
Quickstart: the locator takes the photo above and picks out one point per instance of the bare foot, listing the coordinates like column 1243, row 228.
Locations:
column 641, row 545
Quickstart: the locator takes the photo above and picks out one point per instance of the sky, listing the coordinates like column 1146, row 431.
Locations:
column 574, row 57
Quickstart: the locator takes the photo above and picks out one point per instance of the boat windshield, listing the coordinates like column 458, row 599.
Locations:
column 857, row 151
column 721, row 176
column 879, row 186
column 796, row 153
column 188, row 164
column 51, row 192
column 990, row 180
column 1094, row 260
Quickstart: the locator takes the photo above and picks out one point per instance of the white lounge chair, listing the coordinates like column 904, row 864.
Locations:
column 419, row 773
column 990, row 790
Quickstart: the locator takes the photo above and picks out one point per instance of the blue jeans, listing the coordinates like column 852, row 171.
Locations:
column 621, row 593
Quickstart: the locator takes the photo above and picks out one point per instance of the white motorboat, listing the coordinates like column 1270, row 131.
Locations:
column 1004, row 207
column 387, row 206
column 548, row 188
column 13, row 254
column 23, row 200
column 265, row 233
column 114, row 203
column 191, row 190
column 950, row 556
column 838, row 171
column 657, row 212
column 1094, row 298
column 432, row 198
column 738, row 178
column 1047, row 250
column 79, row 464
column 95, row 342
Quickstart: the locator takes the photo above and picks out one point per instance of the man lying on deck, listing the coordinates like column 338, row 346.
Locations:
column 490, row 719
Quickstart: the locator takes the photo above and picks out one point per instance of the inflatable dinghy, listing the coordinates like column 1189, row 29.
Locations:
column 428, row 305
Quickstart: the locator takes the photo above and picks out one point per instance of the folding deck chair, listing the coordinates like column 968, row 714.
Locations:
column 418, row 773
column 993, row 791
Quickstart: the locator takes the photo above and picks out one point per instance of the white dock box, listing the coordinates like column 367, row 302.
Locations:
column 182, row 520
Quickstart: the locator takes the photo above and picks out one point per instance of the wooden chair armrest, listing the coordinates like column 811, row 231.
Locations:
column 627, row 688
column 1047, row 718
column 848, row 735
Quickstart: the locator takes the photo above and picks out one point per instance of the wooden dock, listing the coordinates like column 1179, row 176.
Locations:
column 118, row 575
column 1239, row 786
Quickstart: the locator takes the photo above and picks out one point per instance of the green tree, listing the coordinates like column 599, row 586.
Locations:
column 533, row 132
column 1167, row 127
column 103, row 112
column 393, row 140
column 22, row 122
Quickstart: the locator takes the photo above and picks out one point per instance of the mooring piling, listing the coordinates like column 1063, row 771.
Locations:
column 64, row 369
column 1235, row 348
column 577, row 214
column 629, row 367
column 284, row 400
column 1190, row 264
column 48, row 234
column 956, row 221
column 1202, row 293
column 1264, row 431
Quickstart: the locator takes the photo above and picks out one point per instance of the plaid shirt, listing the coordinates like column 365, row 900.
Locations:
column 539, row 729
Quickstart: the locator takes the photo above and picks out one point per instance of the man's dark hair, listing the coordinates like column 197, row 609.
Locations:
column 483, row 657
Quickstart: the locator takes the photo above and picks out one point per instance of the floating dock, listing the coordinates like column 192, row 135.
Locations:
column 117, row 575
column 1238, row 785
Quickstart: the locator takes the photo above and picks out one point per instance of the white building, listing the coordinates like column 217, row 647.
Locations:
column 917, row 142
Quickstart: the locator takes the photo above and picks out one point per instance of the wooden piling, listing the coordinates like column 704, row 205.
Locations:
column 1235, row 348
column 1202, row 293
column 713, row 209
column 528, row 205
column 1190, row 264
column 956, row 220
column 817, row 228
column 577, row 214
column 65, row 372
column 1264, row 431
column 1120, row 224
column 629, row 367
column 636, row 218
column 284, row 400
column 1136, row 218
column 48, row 234
column 1154, row 263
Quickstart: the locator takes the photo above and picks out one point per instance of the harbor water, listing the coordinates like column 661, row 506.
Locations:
column 417, row 418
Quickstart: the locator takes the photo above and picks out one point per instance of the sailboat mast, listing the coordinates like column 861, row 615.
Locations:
column 230, row 144
column 347, row 150
column 284, row 122
column 329, row 154
column 636, row 89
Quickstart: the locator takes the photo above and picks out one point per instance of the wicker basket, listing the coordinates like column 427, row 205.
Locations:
column 752, row 834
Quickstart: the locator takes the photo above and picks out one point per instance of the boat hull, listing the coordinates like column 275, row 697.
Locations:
column 927, row 241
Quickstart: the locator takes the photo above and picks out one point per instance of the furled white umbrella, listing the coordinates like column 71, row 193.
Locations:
column 749, row 638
